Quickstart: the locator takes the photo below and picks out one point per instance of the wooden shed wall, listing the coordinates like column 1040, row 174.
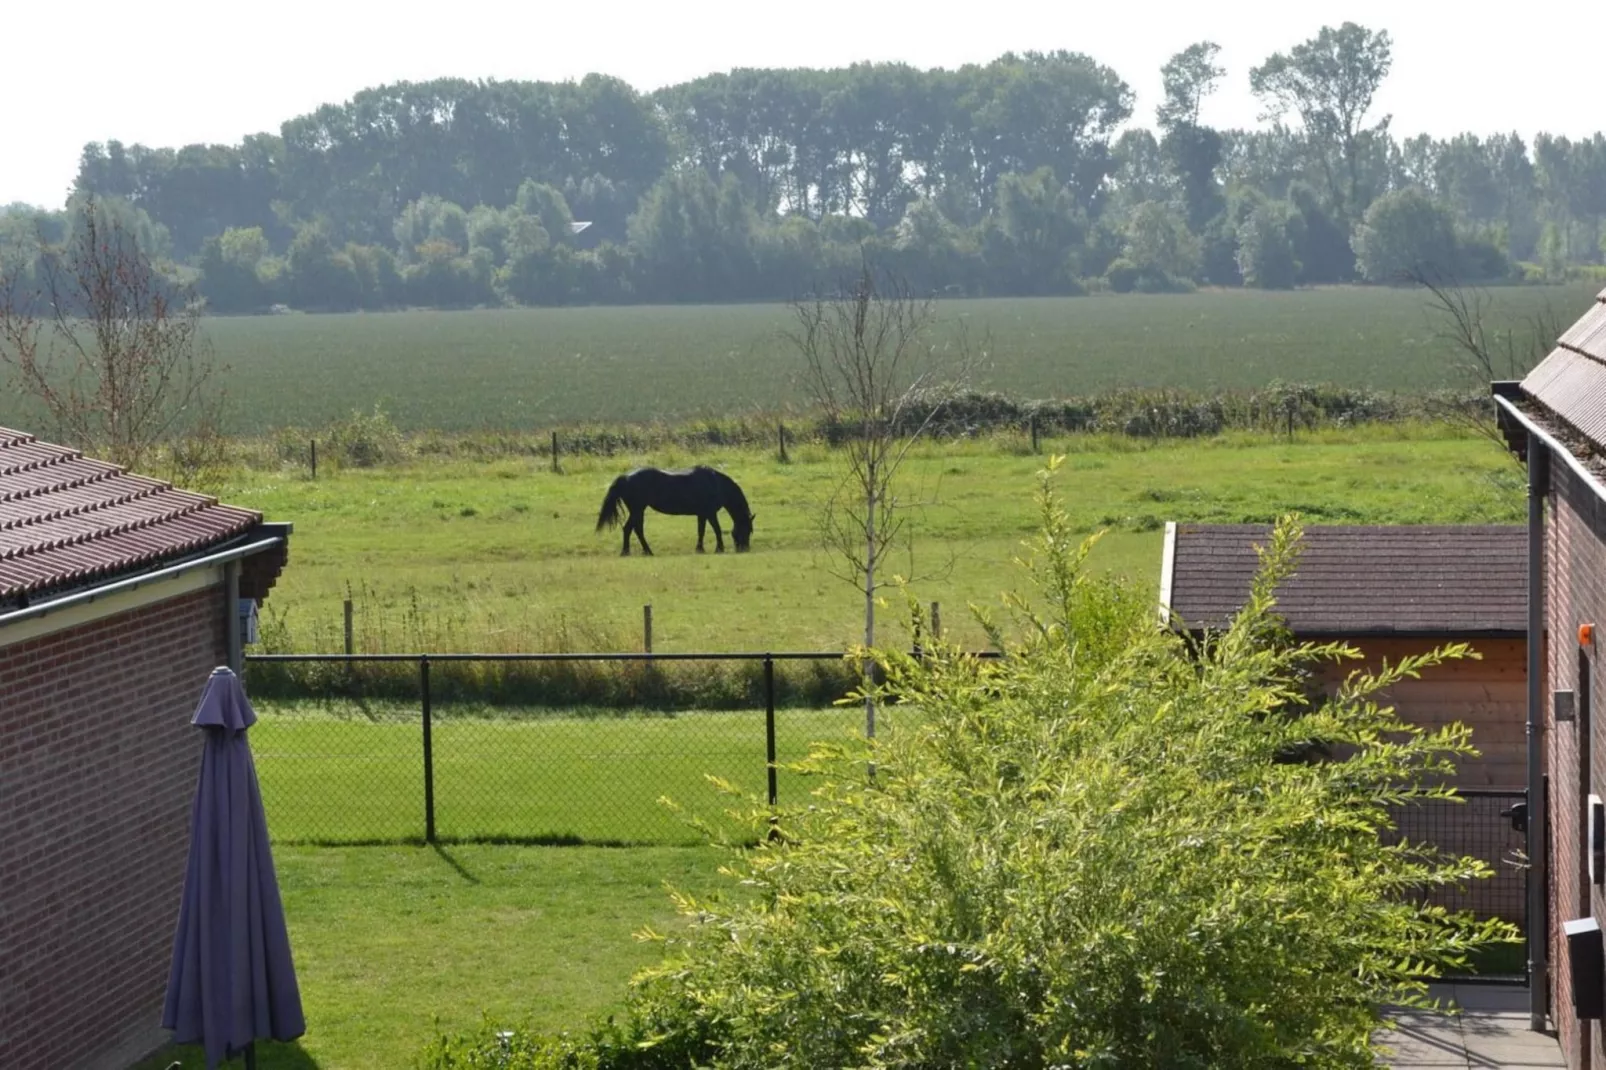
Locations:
column 1489, row 695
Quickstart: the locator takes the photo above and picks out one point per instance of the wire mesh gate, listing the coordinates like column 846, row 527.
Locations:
column 1488, row 825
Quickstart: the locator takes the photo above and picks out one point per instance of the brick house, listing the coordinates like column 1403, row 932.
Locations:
column 1555, row 421
column 1392, row 591
column 118, row 595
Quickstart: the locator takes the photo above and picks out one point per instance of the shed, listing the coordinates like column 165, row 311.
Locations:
column 1389, row 591
column 118, row 595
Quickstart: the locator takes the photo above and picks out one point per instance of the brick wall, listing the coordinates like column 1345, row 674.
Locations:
column 1575, row 550
column 98, row 764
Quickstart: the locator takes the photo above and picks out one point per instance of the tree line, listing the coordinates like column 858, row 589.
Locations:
column 1019, row 176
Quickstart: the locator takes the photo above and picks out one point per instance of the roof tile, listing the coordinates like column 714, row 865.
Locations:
column 1362, row 580
column 66, row 519
column 1571, row 381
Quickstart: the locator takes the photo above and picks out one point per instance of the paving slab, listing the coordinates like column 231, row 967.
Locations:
column 1491, row 1031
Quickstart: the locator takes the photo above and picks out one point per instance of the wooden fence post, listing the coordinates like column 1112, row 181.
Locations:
column 1034, row 434
column 349, row 637
column 314, row 453
column 555, row 467
column 646, row 628
column 936, row 621
column 781, row 437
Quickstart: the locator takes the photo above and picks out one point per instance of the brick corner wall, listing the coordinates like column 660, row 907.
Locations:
column 98, row 764
column 1575, row 592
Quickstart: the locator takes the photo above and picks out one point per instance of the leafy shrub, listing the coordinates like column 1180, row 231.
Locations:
column 1155, row 281
column 365, row 441
column 1122, row 276
column 1097, row 852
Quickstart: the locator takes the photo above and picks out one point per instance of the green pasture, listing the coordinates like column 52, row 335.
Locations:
column 502, row 556
column 393, row 943
column 535, row 368
column 354, row 773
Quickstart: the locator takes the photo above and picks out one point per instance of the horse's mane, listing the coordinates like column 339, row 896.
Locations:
column 736, row 501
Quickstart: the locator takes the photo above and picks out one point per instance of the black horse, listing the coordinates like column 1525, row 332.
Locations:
column 701, row 492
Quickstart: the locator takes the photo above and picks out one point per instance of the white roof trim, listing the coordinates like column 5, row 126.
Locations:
column 1556, row 447
column 102, row 590
column 1168, row 561
column 123, row 601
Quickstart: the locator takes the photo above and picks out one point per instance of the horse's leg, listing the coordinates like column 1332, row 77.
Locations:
column 630, row 522
column 702, row 522
column 641, row 531
column 719, row 536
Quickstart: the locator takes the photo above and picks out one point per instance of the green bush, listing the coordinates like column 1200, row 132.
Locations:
column 1108, row 849
column 363, row 441
column 1122, row 275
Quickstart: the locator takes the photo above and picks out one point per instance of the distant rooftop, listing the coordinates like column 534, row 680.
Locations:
column 1355, row 580
column 575, row 228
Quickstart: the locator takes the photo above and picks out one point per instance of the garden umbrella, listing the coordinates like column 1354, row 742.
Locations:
column 232, row 979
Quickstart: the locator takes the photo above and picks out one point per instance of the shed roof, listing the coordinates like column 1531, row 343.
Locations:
column 67, row 521
column 1358, row 580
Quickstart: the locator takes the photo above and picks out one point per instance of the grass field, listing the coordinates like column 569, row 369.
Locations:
column 536, row 368
column 502, row 556
column 390, row 941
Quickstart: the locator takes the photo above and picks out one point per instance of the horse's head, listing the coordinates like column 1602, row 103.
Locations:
column 742, row 532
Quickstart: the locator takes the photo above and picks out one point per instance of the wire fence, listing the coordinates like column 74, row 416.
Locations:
column 598, row 748
column 624, row 749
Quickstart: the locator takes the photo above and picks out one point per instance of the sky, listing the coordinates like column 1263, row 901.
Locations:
column 175, row 72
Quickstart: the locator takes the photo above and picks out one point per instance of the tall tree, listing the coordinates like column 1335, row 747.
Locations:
column 1330, row 81
column 1188, row 78
column 1192, row 150
column 1404, row 234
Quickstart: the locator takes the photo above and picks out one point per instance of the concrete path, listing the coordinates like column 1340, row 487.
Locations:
column 1491, row 1031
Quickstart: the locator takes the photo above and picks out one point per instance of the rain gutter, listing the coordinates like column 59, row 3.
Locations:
column 131, row 583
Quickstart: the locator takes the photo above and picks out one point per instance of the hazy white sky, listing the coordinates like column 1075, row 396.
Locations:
column 172, row 72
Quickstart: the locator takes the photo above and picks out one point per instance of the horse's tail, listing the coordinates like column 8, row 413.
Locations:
column 610, row 505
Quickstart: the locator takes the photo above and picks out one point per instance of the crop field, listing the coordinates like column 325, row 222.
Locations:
column 538, row 368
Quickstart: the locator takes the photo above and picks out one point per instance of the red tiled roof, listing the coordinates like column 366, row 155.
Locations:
column 1362, row 580
column 67, row 520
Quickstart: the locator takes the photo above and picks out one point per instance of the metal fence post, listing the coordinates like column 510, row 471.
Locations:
column 429, row 751
column 769, row 736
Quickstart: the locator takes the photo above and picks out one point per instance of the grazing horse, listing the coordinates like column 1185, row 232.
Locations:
column 701, row 492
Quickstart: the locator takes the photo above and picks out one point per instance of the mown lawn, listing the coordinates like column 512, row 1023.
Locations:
column 392, row 943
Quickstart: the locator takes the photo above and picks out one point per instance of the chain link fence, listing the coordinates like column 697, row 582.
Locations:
column 537, row 748
column 624, row 749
